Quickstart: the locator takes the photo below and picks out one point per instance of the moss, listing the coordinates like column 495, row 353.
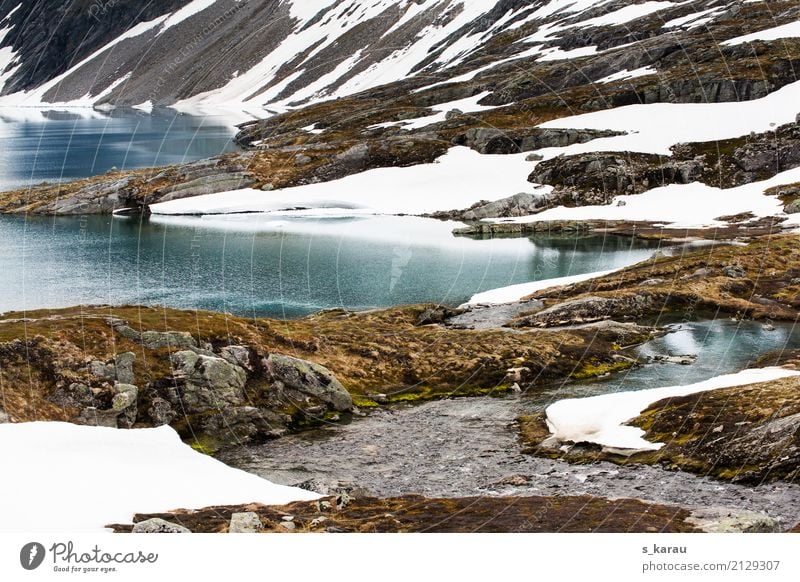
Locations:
column 595, row 369
column 364, row 402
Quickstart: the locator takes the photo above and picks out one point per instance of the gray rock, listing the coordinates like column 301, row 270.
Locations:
column 204, row 185
column 534, row 157
column 4, row 418
column 237, row 355
column 124, row 368
column 208, row 382
column 301, row 160
column 245, row 522
column 102, row 370
column 76, row 394
column 237, row 425
column 734, row 271
column 125, row 404
column 309, row 379
column 158, row 525
column 725, row 520
column 161, row 412
column 793, row 207
column 91, row 416
column 154, row 339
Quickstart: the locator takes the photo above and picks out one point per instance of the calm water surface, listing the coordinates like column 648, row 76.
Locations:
column 42, row 145
column 276, row 266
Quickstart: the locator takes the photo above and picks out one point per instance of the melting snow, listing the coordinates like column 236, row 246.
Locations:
column 599, row 419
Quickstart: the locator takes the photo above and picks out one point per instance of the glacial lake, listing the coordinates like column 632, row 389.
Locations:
column 58, row 145
column 263, row 265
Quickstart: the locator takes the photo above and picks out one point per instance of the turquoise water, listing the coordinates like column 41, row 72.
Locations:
column 261, row 265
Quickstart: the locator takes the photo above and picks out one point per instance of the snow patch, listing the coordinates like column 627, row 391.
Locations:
column 105, row 475
column 192, row 8
column 600, row 419
column 516, row 292
column 458, row 179
column 789, row 30
column 624, row 75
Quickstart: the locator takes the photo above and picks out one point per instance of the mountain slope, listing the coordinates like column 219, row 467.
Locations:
column 286, row 52
column 616, row 97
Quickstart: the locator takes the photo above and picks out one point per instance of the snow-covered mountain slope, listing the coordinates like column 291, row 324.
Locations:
column 615, row 97
column 277, row 53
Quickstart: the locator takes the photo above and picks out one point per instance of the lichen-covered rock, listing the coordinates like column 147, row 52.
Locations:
column 207, row 382
column 245, row 522
column 125, row 404
column 309, row 380
column 726, row 520
column 237, row 355
column 123, row 365
column 154, row 339
column 158, row 525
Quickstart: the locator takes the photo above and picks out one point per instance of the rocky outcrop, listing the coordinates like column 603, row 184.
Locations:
column 488, row 140
column 726, row 520
column 596, row 178
column 206, row 382
column 297, row 380
column 521, row 204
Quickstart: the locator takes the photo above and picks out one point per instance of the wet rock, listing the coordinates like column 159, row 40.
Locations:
column 157, row 525
column 309, row 380
column 237, row 425
column 245, row 522
column 207, row 382
column 726, row 520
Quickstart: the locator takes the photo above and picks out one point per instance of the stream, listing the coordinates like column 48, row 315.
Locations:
column 469, row 446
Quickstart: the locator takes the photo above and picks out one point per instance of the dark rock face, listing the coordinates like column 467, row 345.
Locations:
column 596, row 178
column 53, row 35
column 496, row 141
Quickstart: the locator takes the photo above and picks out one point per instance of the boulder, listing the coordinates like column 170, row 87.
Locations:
column 123, row 364
column 124, row 404
column 207, row 382
column 158, row 525
column 245, row 522
column 309, row 380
